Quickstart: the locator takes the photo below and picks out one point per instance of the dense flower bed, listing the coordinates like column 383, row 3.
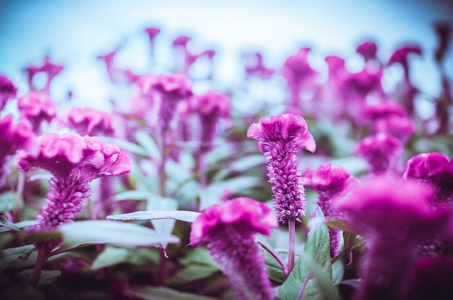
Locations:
column 180, row 193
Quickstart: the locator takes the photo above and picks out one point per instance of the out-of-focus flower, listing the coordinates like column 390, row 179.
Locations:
column 368, row 50
column 381, row 151
column 254, row 66
column 47, row 67
column 361, row 84
column 279, row 139
column 433, row 168
column 109, row 59
column 400, row 56
column 74, row 161
column 393, row 215
column 299, row 75
column 37, row 107
column 443, row 31
column 172, row 88
column 390, row 117
column 7, row 91
column 432, row 278
column 331, row 182
column 210, row 107
column 152, row 32
column 88, row 121
column 336, row 66
column 228, row 232
column 13, row 136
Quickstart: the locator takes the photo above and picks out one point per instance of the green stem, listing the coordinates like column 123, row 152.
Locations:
column 43, row 255
column 292, row 244
column 19, row 195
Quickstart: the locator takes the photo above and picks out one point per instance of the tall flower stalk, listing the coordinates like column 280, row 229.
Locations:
column 228, row 232
column 280, row 138
column 74, row 162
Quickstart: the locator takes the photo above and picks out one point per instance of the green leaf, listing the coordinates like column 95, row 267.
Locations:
column 8, row 226
column 7, row 201
column 158, row 203
column 340, row 224
column 84, row 233
column 11, row 254
column 133, row 195
column 148, row 143
column 181, row 215
column 275, row 270
column 46, row 278
column 113, row 256
column 162, row 293
column 192, row 272
column 337, row 272
column 134, row 148
column 315, row 260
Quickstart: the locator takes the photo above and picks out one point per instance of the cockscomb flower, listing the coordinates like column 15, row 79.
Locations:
column 171, row 88
column 13, row 136
column 74, row 161
column 361, row 84
column 298, row 74
column 435, row 169
column 211, row 107
column 37, row 107
column 88, row 121
column 109, row 59
column 47, row 67
column 381, row 151
column 279, row 139
column 152, row 32
column 331, row 182
column 7, row 91
column 368, row 50
column 393, row 215
column 228, row 232
column 254, row 66
column 336, row 65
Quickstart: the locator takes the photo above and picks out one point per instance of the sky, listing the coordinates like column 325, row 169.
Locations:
column 74, row 33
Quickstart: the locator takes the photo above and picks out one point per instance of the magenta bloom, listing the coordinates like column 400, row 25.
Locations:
column 47, row 67
column 88, row 121
column 254, row 66
column 331, row 182
column 381, row 151
column 400, row 56
column 336, row 65
column 37, row 107
column 368, row 50
column 394, row 215
column 109, row 60
column 279, row 139
column 299, row 75
column 74, row 162
column 13, row 136
column 7, row 91
column 361, row 84
column 228, row 232
column 433, row 168
column 443, row 32
column 211, row 107
column 171, row 88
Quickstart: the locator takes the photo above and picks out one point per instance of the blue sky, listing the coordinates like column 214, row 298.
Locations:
column 75, row 32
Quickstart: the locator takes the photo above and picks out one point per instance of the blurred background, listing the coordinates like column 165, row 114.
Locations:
column 74, row 33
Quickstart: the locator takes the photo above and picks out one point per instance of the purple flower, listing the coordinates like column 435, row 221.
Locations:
column 152, row 32
column 298, row 74
column 433, row 168
column 7, row 91
column 279, row 139
column 254, row 66
column 88, row 121
column 336, row 66
column 393, row 215
column 74, row 162
column 368, row 50
column 381, row 151
column 443, row 32
column 37, row 107
column 210, row 107
column 400, row 56
column 47, row 67
column 361, row 84
column 228, row 232
column 172, row 88
column 13, row 136
column 331, row 182
column 109, row 59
